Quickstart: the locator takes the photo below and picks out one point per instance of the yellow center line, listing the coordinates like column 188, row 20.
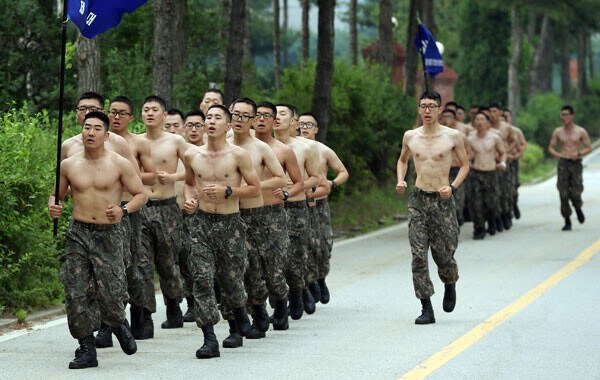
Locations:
column 437, row 360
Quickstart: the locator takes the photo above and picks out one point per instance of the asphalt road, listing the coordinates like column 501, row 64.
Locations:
column 367, row 331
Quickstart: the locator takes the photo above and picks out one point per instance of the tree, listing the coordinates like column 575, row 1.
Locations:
column 412, row 55
column 235, row 51
column 88, row 64
column 541, row 68
column 353, row 32
column 286, row 56
column 305, row 31
column 514, row 87
column 324, row 69
column 581, row 57
column 276, row 45
column 386, row 38
column 164, row 17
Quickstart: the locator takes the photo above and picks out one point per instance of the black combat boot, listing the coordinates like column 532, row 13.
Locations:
column 449, row 297
column 280, row 315
column 309, row 301
column 242, row 322
column 567, row 226
column 506, row 222
column 234, row 340
column 125, row 338
column 478, row 234
column 255, row 333
column 325, row 296
column 499, row 224
column 85, row 354
column 104, row 336
column 580, row 216
column 491, row 227
column 174, row 317
column 137, row 319
column 147, row 331
column 210, row 348
column 516, row 211
column 190, row 315
column 426, row 316
column 296, row 305
column 315, row 290
column 260, row 317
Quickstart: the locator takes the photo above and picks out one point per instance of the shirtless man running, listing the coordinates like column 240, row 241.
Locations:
column 213, row 187
column 574, row 143
column 431, row 208
column 93, row 271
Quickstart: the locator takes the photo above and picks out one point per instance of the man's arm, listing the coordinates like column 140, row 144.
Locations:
column 323, row 190
column 586, row 142
column 501, row 152
column 122, row 147
column 133, row 185
column 189, row 188
column 402, row 164
column 149, row 174
column 552, row 145
column 334, row 162
column 311, row 164
column 293, row 170
column 252, row 187
column 270, row 160
column 55, row 210
column 522, row 144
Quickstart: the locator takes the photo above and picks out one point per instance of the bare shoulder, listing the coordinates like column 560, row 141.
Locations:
column 581, row 130
column 408, row 135
column 324, row 149
column 117, row 140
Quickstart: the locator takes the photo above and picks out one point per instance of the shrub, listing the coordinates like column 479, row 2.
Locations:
column 540, row 117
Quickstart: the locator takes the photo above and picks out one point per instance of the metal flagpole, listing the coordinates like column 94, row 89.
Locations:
column 61, row 100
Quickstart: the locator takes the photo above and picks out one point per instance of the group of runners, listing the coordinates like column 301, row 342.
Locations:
column 227, row 204
column 470, row 171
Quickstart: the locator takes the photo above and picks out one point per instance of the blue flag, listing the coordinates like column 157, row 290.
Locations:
column 96, row 17
column 432, row 59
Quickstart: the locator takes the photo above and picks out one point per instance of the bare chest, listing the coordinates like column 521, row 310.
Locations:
column 164, row 155
column 215, row 167
column 431, row 149
column 101, row 177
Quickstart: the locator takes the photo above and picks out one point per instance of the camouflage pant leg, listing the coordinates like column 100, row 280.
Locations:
column 504, row 191
column 459, row 194
column 136, row 288
column 187, row 280
column 276, row 257
column 569, row 184
column 314, row 246
column 326, row 237
column 484, row 200
column 161, row 239
column 145, row 255
column 432, row 222
column 512, row 168
column 496, row 204
column 93, row 275
column 257, row 244
column 297, row 217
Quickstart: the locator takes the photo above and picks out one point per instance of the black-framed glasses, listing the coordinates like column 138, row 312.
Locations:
column 306, row 125
column 87, row 109
column 191, row 125
column 431, row 107
column 114, row 113
column 243, row 118
column 265, row 115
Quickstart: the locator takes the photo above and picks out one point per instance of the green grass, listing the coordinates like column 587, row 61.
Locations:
column 540, row 172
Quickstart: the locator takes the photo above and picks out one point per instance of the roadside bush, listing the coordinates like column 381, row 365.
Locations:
column 540, row 117
column 532, row 157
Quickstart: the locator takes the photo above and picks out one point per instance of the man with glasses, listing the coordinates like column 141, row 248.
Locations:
column 275, row 200
column 265, row 275
column 327, row 159
column 431, row 207
column 572, row 142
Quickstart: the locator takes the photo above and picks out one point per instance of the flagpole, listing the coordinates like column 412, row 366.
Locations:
column 422, row 54
column 61, row 99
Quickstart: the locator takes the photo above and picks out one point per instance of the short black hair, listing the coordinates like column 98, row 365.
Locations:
column 311, row 115
column 247, row 101
column 221, row 107
column 474, row 106
column 175, row 111
column 451, row 104
column 459, row 107
column 216, row 91
column 288, row 106
column 507, row 110
column 495, row 105
column 268, row 105
column 157, row 99
column 433, row 95
column 482, row 109
column 91, row 95
column 195, row 113
column 448, row 110
column 123, row 99
column 568, row 108
column 98, row 115
column 484, row 114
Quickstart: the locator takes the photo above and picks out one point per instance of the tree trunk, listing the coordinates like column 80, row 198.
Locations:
column 305, row 32
column 514, row 88
column 164, row 17
column 88, row 64
column 565, row 62
column 531, row 29
column 59, row 8
column 276, row 45
column 353, row 32
column 541, row 68
column 179, row 34
column 581, row 56
column 286, row 56
column 590, row 55
column 386, row 38
column 324, row 70
column 224, row 32
column 235, row 51
column 428, row 18
column 412, row 55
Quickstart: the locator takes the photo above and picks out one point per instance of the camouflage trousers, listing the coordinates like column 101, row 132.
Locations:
column 266, row 270
column 459, row 194
column 187, row 280
column 326, row 237
column 432, row 224
column 569, row 184
column 485, row 202
column 132, row 232
column 93, row 274
column 218, row 250
column 314, row 245
column 161, row 243
column 297, row 223
column 513, row 167
column 505, row 191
